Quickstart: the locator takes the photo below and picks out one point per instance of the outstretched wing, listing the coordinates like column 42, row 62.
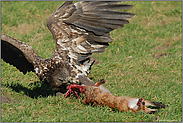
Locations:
column 83, row 28
column 18, row 54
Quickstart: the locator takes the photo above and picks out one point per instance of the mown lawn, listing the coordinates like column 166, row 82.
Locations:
column 145, row 60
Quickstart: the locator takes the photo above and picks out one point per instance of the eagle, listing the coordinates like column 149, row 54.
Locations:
column 79, row 29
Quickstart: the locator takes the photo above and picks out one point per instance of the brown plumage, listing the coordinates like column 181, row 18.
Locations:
column 99, row 95
column 79, row 29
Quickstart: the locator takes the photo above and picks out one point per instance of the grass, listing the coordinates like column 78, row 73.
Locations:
column 143, row 61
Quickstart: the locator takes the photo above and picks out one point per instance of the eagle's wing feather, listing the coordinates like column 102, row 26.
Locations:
column 83, row 28
column 98, row 17
column 18, row 54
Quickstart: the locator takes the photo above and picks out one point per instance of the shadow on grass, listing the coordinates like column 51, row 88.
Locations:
column 35, row 90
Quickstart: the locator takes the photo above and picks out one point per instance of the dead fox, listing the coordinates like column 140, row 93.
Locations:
column 99, row 95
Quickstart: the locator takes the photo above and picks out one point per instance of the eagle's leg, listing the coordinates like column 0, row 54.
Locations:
column 74, row 88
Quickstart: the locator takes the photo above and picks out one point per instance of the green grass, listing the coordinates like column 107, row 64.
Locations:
column 143, row 61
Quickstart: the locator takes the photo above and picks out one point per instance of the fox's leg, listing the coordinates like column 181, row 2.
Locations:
column 102, row 81
column 148, row 110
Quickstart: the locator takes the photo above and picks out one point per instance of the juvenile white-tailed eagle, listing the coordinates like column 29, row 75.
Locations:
column 79, row 29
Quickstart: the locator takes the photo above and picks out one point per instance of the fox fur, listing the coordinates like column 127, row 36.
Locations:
column 99, row 95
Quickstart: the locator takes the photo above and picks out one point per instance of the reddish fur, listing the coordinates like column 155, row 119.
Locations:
column 99, row 95
column 95, row 96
